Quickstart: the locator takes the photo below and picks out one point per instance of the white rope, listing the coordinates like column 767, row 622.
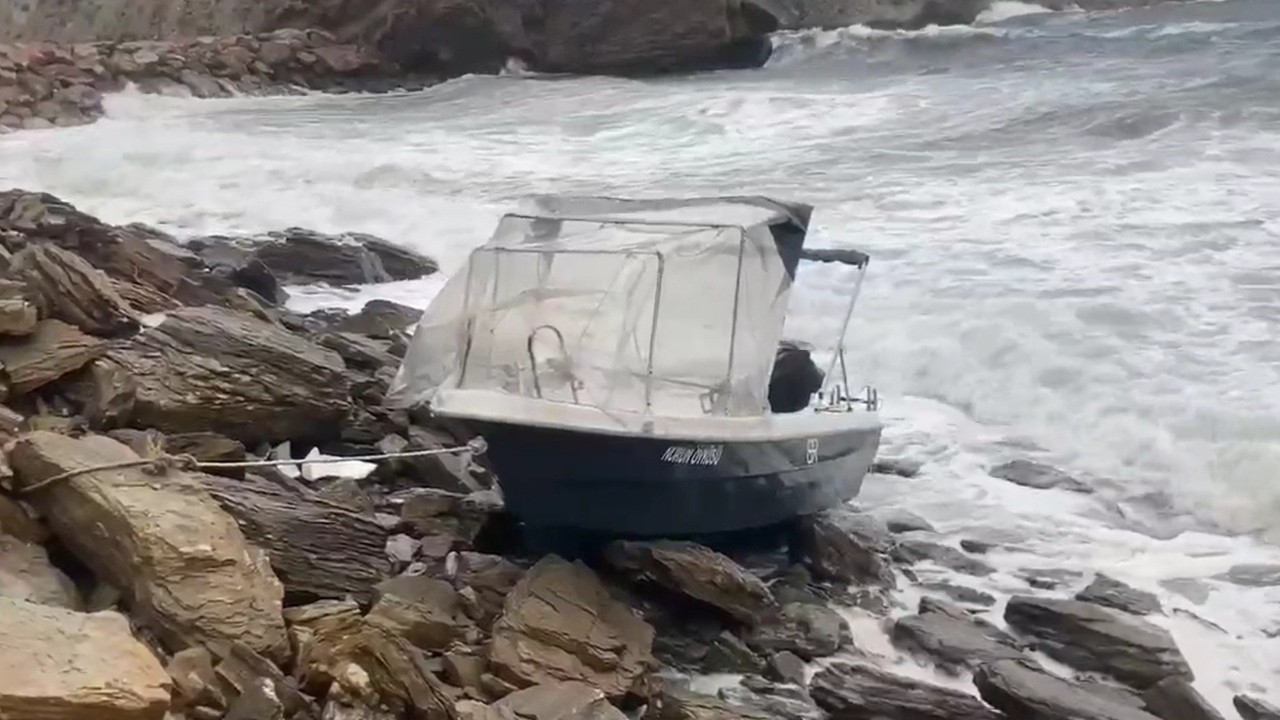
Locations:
column 163, row 463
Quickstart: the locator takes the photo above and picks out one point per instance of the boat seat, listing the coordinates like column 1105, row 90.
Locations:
column 796, row 377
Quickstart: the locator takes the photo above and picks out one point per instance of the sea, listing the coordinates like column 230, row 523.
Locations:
column 1073, row 220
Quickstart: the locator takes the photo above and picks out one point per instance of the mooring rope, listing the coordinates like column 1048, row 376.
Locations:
column 164, row 463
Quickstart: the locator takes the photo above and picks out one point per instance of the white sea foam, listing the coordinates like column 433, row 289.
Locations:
column 1073, row 259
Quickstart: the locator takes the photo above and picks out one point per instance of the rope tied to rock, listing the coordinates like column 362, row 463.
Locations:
column 165, row 463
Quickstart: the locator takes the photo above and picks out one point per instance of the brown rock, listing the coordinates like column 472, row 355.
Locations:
column 241, row 671
column 210, row 370
column 320, row 629
column 75, row 291
column 1022, row 691
column 17, row 317
column 206, row 447
column 56, row 664
column 55, row 349
column 16, row 521
column 425, row 611
column 195, row 684
column 492, row 578
column 560, row 623
column 698, row 572
column 184, row 563
column 810, row 631
column 381, row 319
column 465, row 671
column 26, row 574
column 555, row 701
column 399, row 674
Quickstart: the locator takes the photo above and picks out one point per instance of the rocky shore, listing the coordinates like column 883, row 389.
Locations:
column 401, row 592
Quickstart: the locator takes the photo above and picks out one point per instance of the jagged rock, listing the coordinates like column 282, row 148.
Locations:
column 1021, row 691
column 64, row 665
column 207, row 369
column 399, row 674
column 962, row 594
column 297, row 256
column 912, row 551
column 847, row 547
column 675, row 703
column 953, row 637
column 320, row 629
column 555, row 701
column 1096, row 639
column 360, row 353
column 425, row 611
column 257, row 701
column 697, row 572
column 318, row 549
column 1251, row 708
column 560, row 623
column 16, row 521
column 1105, row 590
column 187, row 569
column 1252, row 575
column 810, row 631
column 53, row 349
column 450, row 472
column 1174, row 699
column 74, row 291
column 380, row 319
column 492, row 578
column 862, row 692
column 898, row 520
column 727, row 653
column 194, row 681
column 242, row 671
column 786, row 667
column 777, row 702
column 465, row 671
column 26, row 574
column 1036, row 475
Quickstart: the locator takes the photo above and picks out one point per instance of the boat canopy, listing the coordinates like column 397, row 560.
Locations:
column 637, row 308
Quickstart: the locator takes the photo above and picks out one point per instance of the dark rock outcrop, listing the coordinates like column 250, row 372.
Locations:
column 1174, row 699
column 1096, row 639
column 912, row 551
column 297, row 256
column 1105, row 590
column 1021, row 691
column 1252, row 708
column 847, row 547
column 846, row 690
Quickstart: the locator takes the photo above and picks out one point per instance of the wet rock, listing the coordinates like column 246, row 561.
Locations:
column 1251, row 708
column 26, row 574
column 962, row 594
column 192, row 577
column 898, row 520
column 953, row 637
column 777, row 702
column 74, row 291
column 425, row 611
column 897, row 466
column 727, row 653
column 555, row 701
column 697, row 572
column 847, row 690
column 56, row 663
column 1048, row 578
column 1036, row 475
column 912, row 551
column 297, row 256
column 1252, row 575
column 1097, row 639
column 381, row 319
column 675, row 703
column 786, row 667
column 207, row 369
column 559, row 623
column 1174, row 699
column 977, row 547
column 1105, row 590
column 847, row 547
column 54, row 349
column 810, row 631
column 1022, row 691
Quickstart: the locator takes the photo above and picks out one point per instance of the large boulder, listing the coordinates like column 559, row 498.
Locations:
column 74, row 291
column 846, row 690
column 560, row 623
column 847, row 546
column 1175, row 699
column 211, row 369
column 953, row 637
column 1021, row 691
column 1097, row 639
column 1106, row 590
column 56, row 664
column 697, row 572
column 809, row 631
column 183, row 562
column 297, row 256
column 54, row 350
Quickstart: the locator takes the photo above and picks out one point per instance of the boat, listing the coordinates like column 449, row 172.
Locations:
column 619, row 357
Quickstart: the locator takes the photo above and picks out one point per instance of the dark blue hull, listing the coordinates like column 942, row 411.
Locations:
column 639, row 486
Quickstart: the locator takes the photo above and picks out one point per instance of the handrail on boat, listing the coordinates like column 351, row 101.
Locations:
column 533, row 361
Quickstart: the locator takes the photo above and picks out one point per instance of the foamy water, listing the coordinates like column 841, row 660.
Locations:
column 1073, row 224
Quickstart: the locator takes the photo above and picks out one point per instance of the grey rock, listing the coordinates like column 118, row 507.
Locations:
column 786, row 667
column 1024, row 692
column 897, row 466
column 847, row 546
column 1189, row 588
column 953, row 637
column 863, row 692
column 1105, row 590
column 727, row 653
column 1251, row 708
column 696, row 572
column 977, row 547
column 809, row 631
column 898, row 520
column 1039, row 476
column 962, row 594
column 774, row 702
column 1096, row 639
column 1174, row 699
column 1252, row 575
column 914, row 551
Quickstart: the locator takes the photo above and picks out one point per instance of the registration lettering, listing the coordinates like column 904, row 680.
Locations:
column 693, row 455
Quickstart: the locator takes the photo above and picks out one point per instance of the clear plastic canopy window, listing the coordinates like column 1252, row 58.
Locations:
column 627, row 316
